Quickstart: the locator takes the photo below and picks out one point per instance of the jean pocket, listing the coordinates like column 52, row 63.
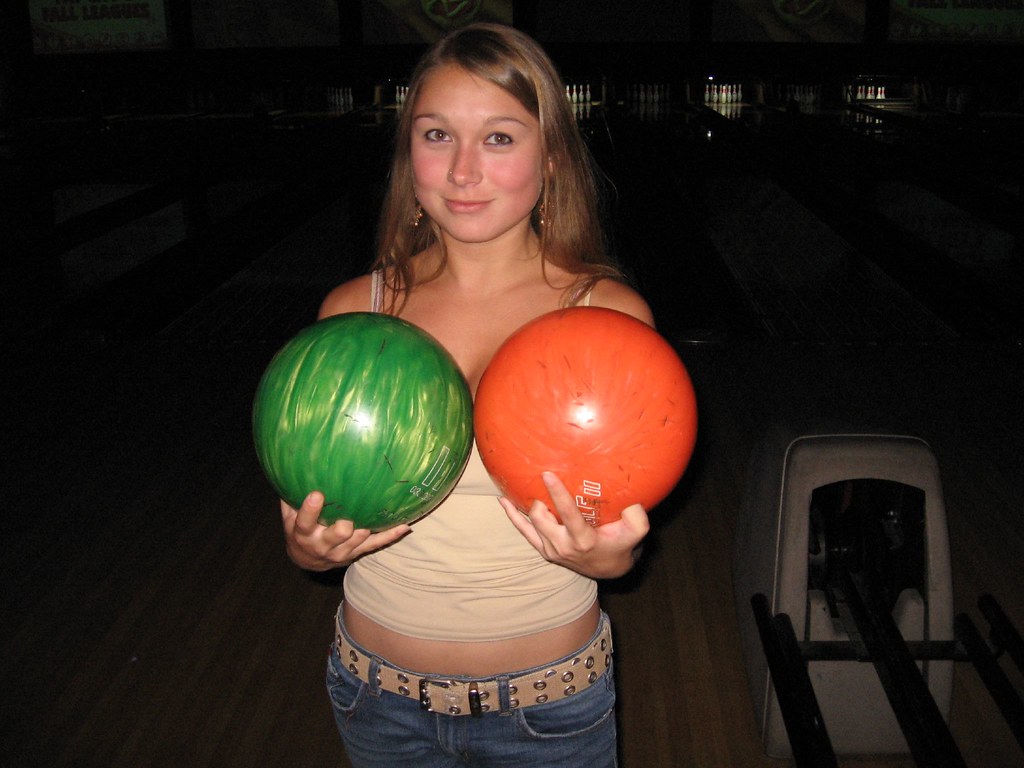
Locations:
column 345, row 689
column 589, row 710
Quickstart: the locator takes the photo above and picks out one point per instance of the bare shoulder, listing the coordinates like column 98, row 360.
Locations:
column 352, row 296
column 613, row 294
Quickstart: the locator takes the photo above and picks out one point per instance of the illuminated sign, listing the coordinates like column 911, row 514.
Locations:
column 90, row 26
column 984, row 21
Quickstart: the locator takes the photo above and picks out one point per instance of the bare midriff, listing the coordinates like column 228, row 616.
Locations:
column 475, row 659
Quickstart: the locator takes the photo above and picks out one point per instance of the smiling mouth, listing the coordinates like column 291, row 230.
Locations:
column 465, row 206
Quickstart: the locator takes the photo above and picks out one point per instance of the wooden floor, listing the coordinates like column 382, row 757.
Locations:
column 151, row 617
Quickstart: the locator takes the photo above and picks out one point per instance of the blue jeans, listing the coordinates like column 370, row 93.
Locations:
column 385, row 730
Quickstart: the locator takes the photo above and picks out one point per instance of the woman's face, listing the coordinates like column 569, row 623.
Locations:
column 476, row 157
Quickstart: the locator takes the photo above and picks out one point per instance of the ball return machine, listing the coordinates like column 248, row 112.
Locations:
column 844, row 595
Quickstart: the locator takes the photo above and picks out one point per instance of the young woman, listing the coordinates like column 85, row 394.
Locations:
column 474, row 635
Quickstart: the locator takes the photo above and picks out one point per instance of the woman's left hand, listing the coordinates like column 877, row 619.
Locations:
column 600, row 552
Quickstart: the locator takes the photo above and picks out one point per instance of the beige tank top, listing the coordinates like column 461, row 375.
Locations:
column 465, row 573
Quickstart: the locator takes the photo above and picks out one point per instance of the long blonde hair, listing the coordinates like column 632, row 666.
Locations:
column 571, row 235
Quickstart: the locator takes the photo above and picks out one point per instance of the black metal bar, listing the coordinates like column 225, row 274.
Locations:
column 1004, row 634
column 998, row 684
column 923, row 726
column 805, row 725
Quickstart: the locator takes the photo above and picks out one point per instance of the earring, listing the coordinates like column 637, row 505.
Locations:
column 541, row 213
column 418, row 216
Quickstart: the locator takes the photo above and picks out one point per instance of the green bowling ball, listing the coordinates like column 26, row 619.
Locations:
column 371, row 411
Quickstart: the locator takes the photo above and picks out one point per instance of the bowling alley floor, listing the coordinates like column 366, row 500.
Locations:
column 151, row 617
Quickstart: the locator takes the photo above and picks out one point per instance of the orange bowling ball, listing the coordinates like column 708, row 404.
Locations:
column 597, row 397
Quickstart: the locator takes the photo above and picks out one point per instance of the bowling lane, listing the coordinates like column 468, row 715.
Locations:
column 889, row 207
column 142, row 216
column 279, row 291
column 717, row 237
column 804, row 279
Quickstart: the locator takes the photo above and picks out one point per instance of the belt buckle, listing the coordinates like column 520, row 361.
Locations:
column 451, row 700
column 427, row 702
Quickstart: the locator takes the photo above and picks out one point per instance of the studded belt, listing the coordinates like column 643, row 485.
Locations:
column 475, row 697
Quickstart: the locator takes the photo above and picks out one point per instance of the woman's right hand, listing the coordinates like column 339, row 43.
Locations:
column 317, row 547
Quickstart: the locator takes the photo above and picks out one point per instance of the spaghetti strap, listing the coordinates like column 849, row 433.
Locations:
column 377, row 291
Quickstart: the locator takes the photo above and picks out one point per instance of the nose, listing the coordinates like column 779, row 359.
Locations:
column 465, row 167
